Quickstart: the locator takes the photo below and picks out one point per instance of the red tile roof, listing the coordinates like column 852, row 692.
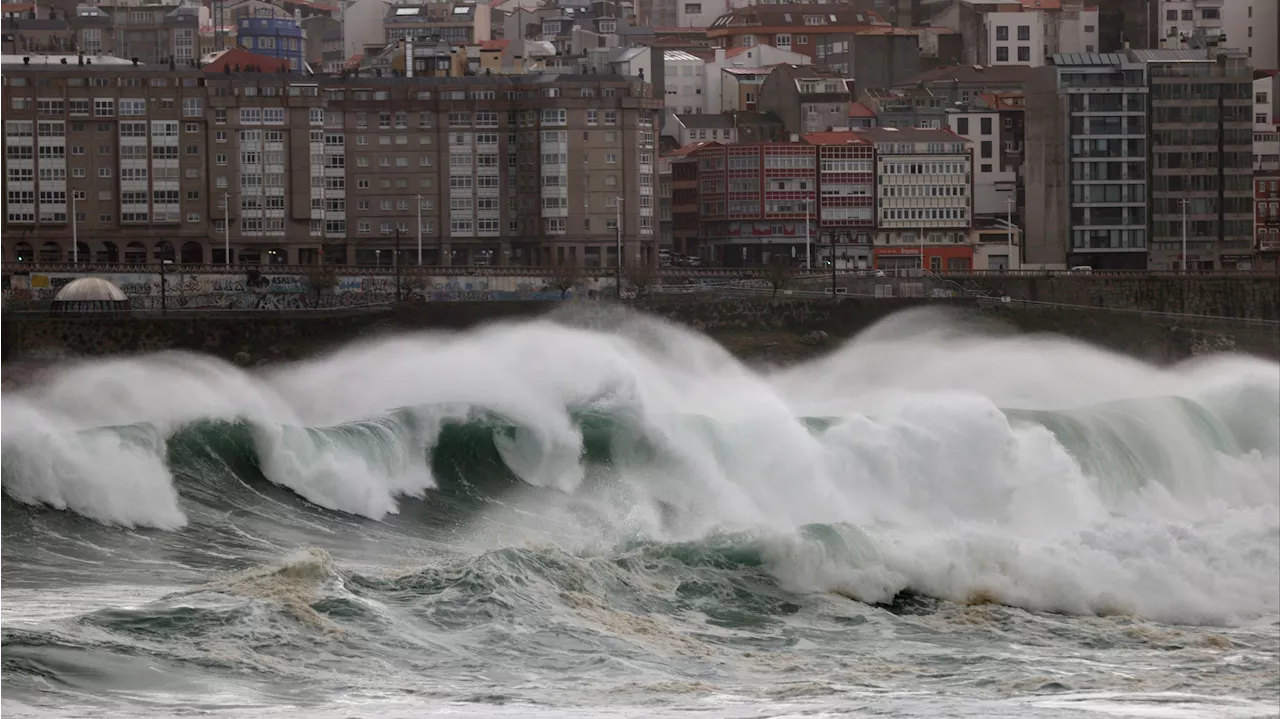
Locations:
column 495, row 45
column 690, row 148
column 857, row 109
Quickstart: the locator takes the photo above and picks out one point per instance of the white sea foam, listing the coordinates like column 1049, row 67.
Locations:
column 1030, row 471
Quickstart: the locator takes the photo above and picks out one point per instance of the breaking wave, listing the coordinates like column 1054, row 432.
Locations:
column 1030, row 472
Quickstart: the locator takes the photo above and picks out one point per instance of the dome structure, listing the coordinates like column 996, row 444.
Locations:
column 90, row 294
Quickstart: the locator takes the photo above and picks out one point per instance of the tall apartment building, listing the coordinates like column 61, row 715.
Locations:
column 173, row 163
column 924, row 198
column 1266, row 228
column 1086, row 168
column 846, row 197
column 1201, row 152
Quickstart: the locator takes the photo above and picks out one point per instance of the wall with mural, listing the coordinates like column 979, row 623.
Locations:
column 287, row 291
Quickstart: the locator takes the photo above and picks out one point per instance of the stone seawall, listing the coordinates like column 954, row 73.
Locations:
column 749, row 326
column 1248, row 296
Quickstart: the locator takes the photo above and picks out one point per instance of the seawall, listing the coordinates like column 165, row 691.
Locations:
column 753, row 327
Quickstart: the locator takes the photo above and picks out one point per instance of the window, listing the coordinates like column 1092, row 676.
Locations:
column 693, row 8
column 985, row 122
column 962, row 126
column 782, row 41
column 986, row 148
column 1024, row 53
column 1260, row 98
column 1002, row 33
column 1002, row 54
column 1024, row 33
column 593, row 117
column 554, row 117
column 104, row 108
column 1090, row 28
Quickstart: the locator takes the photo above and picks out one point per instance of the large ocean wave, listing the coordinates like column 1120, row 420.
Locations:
column 1030, row 472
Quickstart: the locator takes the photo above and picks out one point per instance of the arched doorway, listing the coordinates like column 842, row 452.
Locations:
column 83, row 253
column 277, row 256
column 164, row 251
column 22, row 252
column 193, row 253
column 250, row 257
column 108, row 253
column 135, row 253
column 51, row 252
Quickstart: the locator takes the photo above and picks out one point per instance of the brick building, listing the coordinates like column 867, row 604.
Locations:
column 1266, row 220
column 162, row 162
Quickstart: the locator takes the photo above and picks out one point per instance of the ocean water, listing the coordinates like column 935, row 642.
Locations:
column 611, row 517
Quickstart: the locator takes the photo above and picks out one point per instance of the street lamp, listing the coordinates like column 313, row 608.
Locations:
column 618, row 276
column 1008, row 201
column 1184, row 202
column 226, row 229
column 75, row 237
column 419, row 230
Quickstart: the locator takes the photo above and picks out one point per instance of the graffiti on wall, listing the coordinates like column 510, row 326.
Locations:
column 284, row 292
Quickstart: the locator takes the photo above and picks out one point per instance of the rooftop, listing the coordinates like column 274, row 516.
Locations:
column 689, row 149
column 1110, row 59
column 706, row 122
column 835, row 138
column 998, row 74
column 797, row 15
column 679, row 56
column 909, row 134
column 857, row 109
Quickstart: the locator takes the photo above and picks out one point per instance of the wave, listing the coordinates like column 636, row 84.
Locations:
column 1027, row 471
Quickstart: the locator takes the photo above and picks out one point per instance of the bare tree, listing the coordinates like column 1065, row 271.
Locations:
column 321, row 278
column 566, row 277
column 641, row 277
column 777, row 273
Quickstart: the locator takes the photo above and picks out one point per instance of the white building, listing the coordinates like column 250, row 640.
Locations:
column 1266, row 131
column 924, row 196
column 1031, row 34
column 685, row 78
column 723, row 92
column 1252, row 26
column 993, row 186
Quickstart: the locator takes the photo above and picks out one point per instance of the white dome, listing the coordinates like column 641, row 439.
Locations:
column 90, row 289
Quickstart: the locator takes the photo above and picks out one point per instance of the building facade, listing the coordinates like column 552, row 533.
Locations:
column 1266, row 228
column 1086, row 165
column 1202, row 154
column 924, row 199
column 846, row 198
column 277, row 37
column 152, row 162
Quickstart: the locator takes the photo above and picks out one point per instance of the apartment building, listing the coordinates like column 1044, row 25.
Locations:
column 924, row 198
column 994, row 183
column 154, row 162
column 1026, row 32
column 1266, row 123
column 1201, row 153
column 1086, row 168
column 793, row 27
column 1266, row 228
column 808, row 99
column 757, row 202
column 846, row 198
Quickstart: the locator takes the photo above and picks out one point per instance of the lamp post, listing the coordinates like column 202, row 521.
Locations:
column 419, row 230
column 164, row 293
column 1184, row 202
column 1008, row 201
column 618, row 276
column 395, row 262
column 226, row 229
column 75, row 237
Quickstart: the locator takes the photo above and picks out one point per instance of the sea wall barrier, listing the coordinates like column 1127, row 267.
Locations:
column 188, row 287
column 752, row 322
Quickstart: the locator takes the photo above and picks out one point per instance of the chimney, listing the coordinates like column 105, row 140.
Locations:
column 720, row 55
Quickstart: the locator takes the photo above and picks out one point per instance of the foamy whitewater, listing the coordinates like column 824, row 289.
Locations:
column 609, row 516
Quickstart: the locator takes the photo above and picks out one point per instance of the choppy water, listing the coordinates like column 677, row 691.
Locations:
column 544, row 519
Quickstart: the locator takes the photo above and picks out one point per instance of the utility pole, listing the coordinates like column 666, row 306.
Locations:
column 226, row 228
column 1009, row 230
column 618, row 273
column 164, row 293
column 75, row 238
column 1184, row 235
column 395, row 262
column 833, row 265
column 419, row 230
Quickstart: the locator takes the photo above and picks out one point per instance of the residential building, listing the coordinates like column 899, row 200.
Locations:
column 1253, row 26
column 861, row 117
column 684, row 200
column 994, row 183
column 150, row 33
column 788, row 26
column 846, row 203
column 1025, row 32
column 1266, row 124
column 1266, row 202
column 455, row 23
column 276, row 37
column 686, row 129
column 873, row 57
column 26, row 33
column 1086, row 168
column 756, row 202
column 1189, row 24
column 734, row 77
column 806, row 98
column 162, row 162
column 1201, row 154
column 962, row 83
column 685, row 82
column 906, row 107
column 924, row 199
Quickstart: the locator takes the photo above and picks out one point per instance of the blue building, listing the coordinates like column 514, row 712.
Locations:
column 272, row 36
